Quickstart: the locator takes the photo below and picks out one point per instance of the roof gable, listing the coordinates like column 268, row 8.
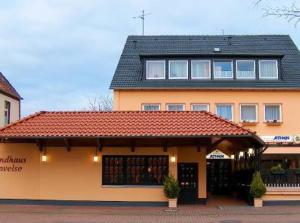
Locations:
column 7, row 88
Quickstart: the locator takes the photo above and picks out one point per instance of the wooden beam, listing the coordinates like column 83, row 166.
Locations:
column 132, row 146
column 99, row 145
column 165, row 146
column 67, row 144
column 214, row 145
column 39, row 144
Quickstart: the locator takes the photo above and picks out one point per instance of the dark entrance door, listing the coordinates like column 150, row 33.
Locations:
column 218, row 176
column 188, row 181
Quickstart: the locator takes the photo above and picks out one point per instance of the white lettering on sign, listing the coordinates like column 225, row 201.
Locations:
column 278, row 138
column 217, row 154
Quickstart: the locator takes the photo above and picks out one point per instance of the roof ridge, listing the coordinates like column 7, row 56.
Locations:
column 11, row 86
column 26, row 118
column 230, row 122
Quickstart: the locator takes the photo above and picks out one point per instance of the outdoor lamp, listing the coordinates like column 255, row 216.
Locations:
column 241, row 154
column 96, row 158
column 173, row 159
column 44, row 158
column 250, row 151
column 232, row 157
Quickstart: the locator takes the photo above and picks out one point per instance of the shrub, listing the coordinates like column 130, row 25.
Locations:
column 171, row 187
column 257, row 187
column 277, row 169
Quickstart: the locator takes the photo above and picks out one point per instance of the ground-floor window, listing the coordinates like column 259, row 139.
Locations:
column 134, row 170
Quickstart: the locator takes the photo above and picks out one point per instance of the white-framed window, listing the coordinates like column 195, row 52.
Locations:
column 155, row 69
column 248, row 112
column 223, row 69
column 7, row 108
column 175, row 107
column 200, row 69
column 178, row 69
column 225, row 111
column 273, row 113
column 200, row 107
column 151, row 107
column 245, row 69
column 268, row 69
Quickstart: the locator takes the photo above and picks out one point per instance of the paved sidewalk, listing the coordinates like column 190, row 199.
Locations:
column 186, row 214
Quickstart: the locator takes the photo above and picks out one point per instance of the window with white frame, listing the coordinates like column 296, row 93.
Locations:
column 223, row 69
column 155, row 69
column 225, row 111
column 245, row 69
column 248, row 112
column 175, row 107
column 151, row 107
column 7, row 106
column 178, row 69
column 200, row 69
column 268, row 69
column 273, row 113
column 200, row 107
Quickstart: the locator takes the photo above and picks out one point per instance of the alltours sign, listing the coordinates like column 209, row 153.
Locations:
column 217, row 154
column 12, row 164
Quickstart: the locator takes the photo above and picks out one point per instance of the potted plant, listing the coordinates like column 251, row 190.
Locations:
column 257, row 189
column 171, row 190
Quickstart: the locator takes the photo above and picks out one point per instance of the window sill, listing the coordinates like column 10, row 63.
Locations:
column 132, row 186
column 245, row 123
column 273, row 123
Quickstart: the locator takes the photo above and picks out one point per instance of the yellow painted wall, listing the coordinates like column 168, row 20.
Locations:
column 14, row 110
column 74, row 176
column 290, row 100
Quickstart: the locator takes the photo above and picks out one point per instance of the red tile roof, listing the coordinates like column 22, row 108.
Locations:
column 122, row 124
column 7, row 88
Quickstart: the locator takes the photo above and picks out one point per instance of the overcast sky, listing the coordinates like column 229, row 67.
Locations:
column 60, row 53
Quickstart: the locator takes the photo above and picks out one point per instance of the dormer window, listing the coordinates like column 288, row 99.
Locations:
column 268, row 69
column 178, row 69
column 245, row 69
column 155, row 69
column 200, row 69
column 223, row 69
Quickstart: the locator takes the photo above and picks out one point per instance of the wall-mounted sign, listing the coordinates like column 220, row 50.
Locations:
column 297, row 139
column 217, row 154
column 278, row 139
column 11, row 164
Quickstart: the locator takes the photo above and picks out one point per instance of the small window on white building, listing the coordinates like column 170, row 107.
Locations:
column 178, row 69
column 7, row 112
column 200, row 107
column 273, row 113
column 248, row 112
column 155, row 69
column 268, row 69
column 225, row 111
column 175, row 107
column 200, row 69
column 223, row 69
column 245, row 69
column 151, row 107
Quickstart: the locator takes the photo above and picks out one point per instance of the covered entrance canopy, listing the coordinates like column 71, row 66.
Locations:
column 134, row 128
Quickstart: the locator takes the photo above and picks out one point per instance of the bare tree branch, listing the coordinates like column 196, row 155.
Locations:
column 290, row 13
column 103, row 103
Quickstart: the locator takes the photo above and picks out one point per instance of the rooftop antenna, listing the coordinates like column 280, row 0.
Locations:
column 223, row 32
column 142, row 17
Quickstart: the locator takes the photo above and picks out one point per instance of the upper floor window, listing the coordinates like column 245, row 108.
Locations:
column 151, row 107
column 245, row 69
column 175, row 107
column 200, row 69
column 273, row 113
column 155, row 69
column 268, row 69
column 200, row 107
column 223, row 69
column 6, row 112
column 178, row 69
column 248, row 112
column 225, row 111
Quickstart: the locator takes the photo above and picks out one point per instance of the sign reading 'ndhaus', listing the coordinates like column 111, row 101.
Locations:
column 11, row 164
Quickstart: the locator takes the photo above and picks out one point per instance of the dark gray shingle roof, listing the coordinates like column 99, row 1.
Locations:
column 129, row 72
